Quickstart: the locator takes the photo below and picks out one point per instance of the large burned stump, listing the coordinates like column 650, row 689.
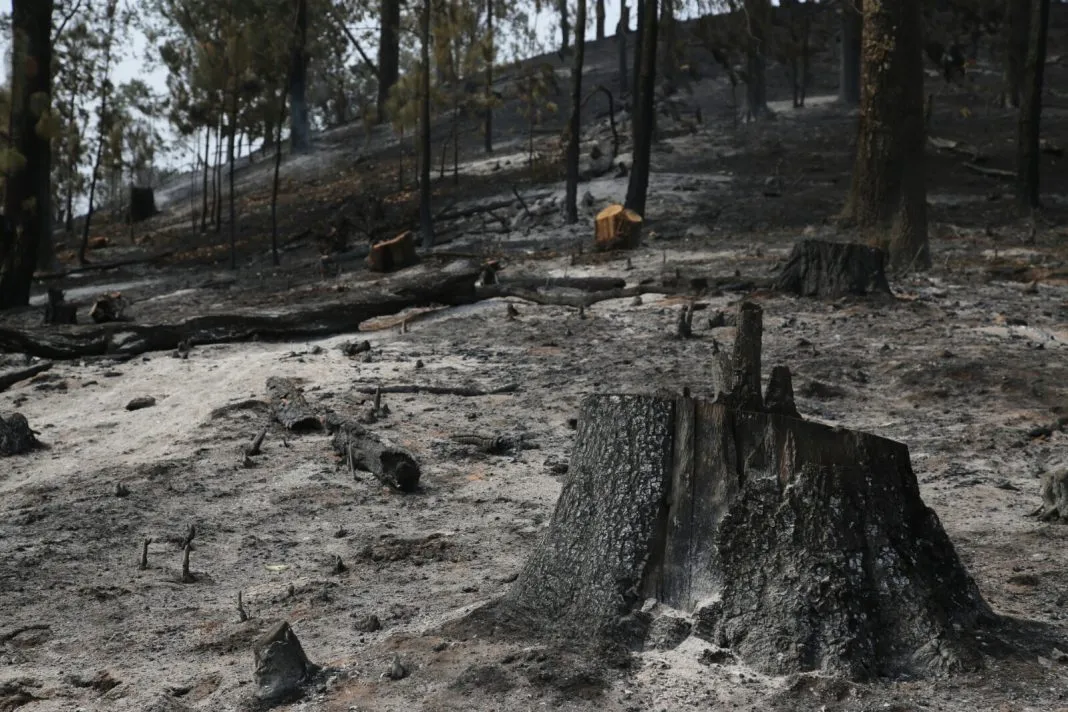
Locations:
column 817, row 268
column 800, row 546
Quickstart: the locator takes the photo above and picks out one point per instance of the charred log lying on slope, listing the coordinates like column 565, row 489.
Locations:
column 454, row 284
column 800, row 546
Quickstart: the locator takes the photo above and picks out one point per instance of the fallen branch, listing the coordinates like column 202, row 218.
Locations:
column 16, row 632
column 10, row 378
column 726, row 284
column 101, row 266
column 465, row 391
column 484, row 208
column 991, row 172
column 290, row 408
column 414, row 288
column 586, row 284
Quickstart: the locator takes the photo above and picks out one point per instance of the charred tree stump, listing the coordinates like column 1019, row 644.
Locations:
column 142, row 204
column 16, row 437
column 817, row 268
column 617, row 228
column 799, row 546
column 282, row 667
column 57, row 311
column 1054, row 496
column 392, row 255
column 290, row 408
column 391, row 464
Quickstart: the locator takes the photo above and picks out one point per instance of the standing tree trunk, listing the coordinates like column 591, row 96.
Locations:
column 565, row 26
column 105, row 88
column 204, row 197
column 849, row 65
column 25, row 214
column 645, row 113
column 277, row 171
column 1030, row 121
column 574, row 125
column 388, row 53
column 216, row 178
column 621, row 40
column 758, row 13
column 233, row 159
column 1019, row 32
column 888, row 197
column 490, row 52
column 426, row 219
column 599, row 9
column 299, row 129
column 639, row 34
column 669, row 61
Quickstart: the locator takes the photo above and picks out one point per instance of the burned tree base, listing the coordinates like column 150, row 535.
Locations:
column 393, row 255
column 798, row 546
column 817, row 268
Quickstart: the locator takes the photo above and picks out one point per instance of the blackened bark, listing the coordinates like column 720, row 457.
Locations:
column 426, row 218
column 1030, row 116
column 1019, row 31
column 390, row 463
column 232, row 157
column 204, row 197
column 668, row 65
column 852, row 22
column 758, row 15
column 299, row 128
column 746, row 358
column 888, row 196
column 275, row 180
column 105, row 88
column 639, row 34
column 829, row 270
column 289, row 406
column 490, row 57
column 621, row 40
column 565, row 26
column 25, row 214
column 388, row 53
column 645, row 114
column 599, row 9
column 574, row 125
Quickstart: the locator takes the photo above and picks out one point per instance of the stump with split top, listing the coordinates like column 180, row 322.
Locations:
column 799, row 546
column 392, row 255
column 617, row 228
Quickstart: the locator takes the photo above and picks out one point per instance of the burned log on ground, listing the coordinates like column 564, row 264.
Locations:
column 453, row 284
column 11, row 377
column 817, row 268
column 799, row 546
column 390, row 463
column 16, row 437
column 289, row 406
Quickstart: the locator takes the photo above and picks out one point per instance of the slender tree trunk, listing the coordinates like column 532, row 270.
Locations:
column 233, row 159
column 565, row 26
column 105, row 89
column 574, row 125
column 490, row 57
column 299, row 130
column 1016, row 54
column 621, row 40
column 600, row 10
column 758, row 14
column 668, row 65
column 1030, row 121
column 852, row 22
column 637, row 63
column 277, row 173
column 426, row 219
column 388, row 52
column 204, row 191
column 26, row 215
column 644, row 110
column 888, row 197
column 216, row 206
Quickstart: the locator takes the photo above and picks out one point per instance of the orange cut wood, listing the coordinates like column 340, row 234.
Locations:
column 617, row 228
column 392, row 255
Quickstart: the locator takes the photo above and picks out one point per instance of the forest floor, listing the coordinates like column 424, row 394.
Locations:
column 962, row 365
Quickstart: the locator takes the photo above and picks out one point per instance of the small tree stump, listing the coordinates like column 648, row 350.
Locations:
column 1054, row 496
column 107, row 308
column 57, row 311
column 617, row 228
column 142, row 204
column 393, row 255
column 817, row 268
column 282, row 667
column 290, row 408
column 16, row 437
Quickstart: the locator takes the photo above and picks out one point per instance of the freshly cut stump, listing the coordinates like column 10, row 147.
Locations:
column 392, row 255
column 617, row 228
column 282, row 667
column 798, row 546
column 817, row 268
